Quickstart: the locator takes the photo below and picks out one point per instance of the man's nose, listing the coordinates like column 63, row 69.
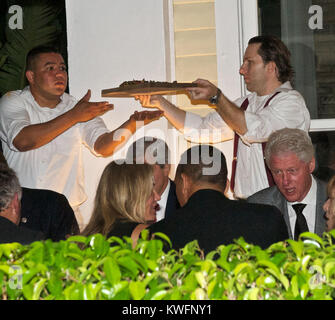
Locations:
column 286, row 179
column 60, row 73
column 242, row 70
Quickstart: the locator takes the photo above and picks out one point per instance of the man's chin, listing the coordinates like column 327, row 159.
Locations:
column 60, row 90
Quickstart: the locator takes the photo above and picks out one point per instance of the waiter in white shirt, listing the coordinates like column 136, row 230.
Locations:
column 271, row 105
column 156, row 152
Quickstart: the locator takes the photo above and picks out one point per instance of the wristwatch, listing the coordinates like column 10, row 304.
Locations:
column 215, row 99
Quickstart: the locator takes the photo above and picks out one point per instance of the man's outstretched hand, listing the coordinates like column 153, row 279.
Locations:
column 85, row 110
column 146, row 116
column 203, row 91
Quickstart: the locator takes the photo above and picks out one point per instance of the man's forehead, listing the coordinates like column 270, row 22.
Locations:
column 50, row 58
column 287, row 159
column 252, row 50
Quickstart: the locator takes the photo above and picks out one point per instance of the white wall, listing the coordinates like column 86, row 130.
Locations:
column 110, row 42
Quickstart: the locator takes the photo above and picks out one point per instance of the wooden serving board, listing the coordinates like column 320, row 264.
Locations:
column 139, row 89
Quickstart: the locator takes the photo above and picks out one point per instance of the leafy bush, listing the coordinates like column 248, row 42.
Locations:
column 100, row 268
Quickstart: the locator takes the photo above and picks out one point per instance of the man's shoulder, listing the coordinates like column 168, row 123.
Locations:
column 245, row 206
column 42, row 193
column 14, row 95
column 268, row 196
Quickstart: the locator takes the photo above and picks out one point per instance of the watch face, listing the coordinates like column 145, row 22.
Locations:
column 213, row 100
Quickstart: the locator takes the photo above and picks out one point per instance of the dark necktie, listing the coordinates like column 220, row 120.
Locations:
column 301, row 223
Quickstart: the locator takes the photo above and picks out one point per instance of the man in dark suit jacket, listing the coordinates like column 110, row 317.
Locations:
column 10, row 210
column 156, row 152
column 49, row 212
column 289, row 154
column 207, row 215
column 46, row 211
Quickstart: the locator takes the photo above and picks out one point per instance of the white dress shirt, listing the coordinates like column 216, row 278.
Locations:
column 286, row 109
column 160, row 214
column 57, row 165
column 309, row 211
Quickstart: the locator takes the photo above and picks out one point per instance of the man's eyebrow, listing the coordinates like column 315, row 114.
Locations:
column 52, row 63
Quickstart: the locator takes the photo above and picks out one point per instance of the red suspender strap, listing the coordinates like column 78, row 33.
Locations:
column 244, row 107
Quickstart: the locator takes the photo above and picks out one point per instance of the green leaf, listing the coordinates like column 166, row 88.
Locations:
column 37, row 289
column 164, row 237
column 198, row 294
column 159, row 295
column 129, row 264
column 201, row 279
column 297, row 247
column 55, row 285
column 295, row 286
column 154, row 249
column 112, row 271
column 329, row 269
column 312, row 238
column 240, row 267
column 137, row 290
column 251, row 294
column 80, row 239
column 99, row 244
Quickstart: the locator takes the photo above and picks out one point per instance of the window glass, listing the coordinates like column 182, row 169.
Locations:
column 307, row 27
column 324, row 145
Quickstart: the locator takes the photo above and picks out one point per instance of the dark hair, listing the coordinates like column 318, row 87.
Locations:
column 204, row 163
column 152, row 150
column 33, row 53
column 273, row 49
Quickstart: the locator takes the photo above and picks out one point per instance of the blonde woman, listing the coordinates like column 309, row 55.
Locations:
column 329, row 205
column 125, row 202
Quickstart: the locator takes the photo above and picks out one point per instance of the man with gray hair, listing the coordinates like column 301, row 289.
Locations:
column 289, row 154
column 156, row 152
column 10, row 210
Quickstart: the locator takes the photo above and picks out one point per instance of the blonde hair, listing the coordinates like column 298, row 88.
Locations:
column 122, row 194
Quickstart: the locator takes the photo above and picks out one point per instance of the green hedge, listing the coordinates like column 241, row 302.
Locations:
column 91, row 268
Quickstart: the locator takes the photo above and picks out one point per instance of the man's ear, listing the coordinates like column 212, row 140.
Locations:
column 311, row 165
column 227, row 187
column 272, row 68
column 30, row 76
column 186, row 186
column 16, row 208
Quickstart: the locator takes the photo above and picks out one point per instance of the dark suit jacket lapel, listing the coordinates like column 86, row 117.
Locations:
column 321, row 196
